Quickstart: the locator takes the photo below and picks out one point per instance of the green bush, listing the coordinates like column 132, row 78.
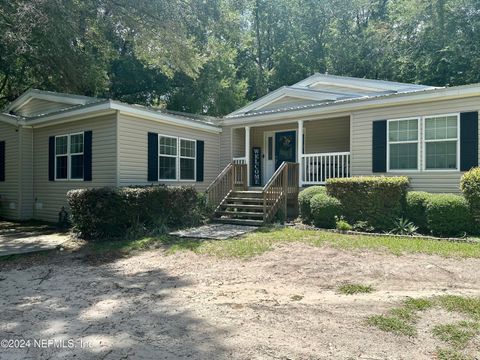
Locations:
column 448, row 215
column 379, row 200
column 116, row 212
column 415, row 208
column 304, row 201
column 470, row 186
column 325, row 209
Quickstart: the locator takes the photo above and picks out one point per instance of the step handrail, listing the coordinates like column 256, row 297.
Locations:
column 284, row 181
column 219, row 177
column 230, row 178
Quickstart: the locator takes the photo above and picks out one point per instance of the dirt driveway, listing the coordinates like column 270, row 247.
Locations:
column 280, row 305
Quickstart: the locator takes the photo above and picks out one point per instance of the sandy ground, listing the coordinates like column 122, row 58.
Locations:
column 18, row 238
column 280, row 305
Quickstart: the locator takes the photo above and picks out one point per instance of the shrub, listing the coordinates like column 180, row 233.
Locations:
column 404, row 226
column 324, row 210
column 304, row 201
column 342, row 224
column 448, row 215
column 115, row 212
column 378, row 200
column 415, row 207
column 470, row 186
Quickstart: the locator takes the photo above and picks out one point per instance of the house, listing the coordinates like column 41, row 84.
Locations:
column 252, row 161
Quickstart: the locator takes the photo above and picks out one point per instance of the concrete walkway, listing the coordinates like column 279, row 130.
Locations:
column 18, row 238
column 215, row 231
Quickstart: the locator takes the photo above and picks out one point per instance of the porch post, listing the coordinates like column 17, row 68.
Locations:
column 300, row 150
column 247, row 152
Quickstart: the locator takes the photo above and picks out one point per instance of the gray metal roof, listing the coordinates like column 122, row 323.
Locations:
column 325, row 89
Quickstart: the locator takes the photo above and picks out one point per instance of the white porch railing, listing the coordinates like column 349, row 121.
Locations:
column 318, row 168
column 239, row 160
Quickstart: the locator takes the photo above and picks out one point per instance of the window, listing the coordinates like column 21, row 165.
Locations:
column 177, row 158
column 403, row 144
column 167, row 166
column 187, row 159
column 69, row 157
column 441, row 142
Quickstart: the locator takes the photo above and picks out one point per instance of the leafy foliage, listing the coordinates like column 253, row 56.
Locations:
column 403, row 226
column 324, row 210
column 211, row 57
column 304, row 198
column 342, row 224
column 375, row 199
column 103, row 213
column 470, row 186
column 415, row 208
column 448, row 215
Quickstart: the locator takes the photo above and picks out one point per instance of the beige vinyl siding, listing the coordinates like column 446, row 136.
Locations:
column 327, row 135
column 238, row 142
column 9, row 189
column 433, row 181
column 133, row 150
column 26, row 173
column 39, row 106
column 50, row 196
column 226, row 138
column 321, row 136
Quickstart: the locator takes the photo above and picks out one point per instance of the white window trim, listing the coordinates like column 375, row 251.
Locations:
column 165, row 155
column 404, row 142
column 177, row 161
column 422, row 155
column 187, row 157
column 69, row 157
column 424, row 143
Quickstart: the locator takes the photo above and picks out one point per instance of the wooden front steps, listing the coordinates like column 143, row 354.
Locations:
column 234, row 203
column 242, row 207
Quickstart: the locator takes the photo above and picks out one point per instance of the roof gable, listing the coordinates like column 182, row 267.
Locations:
column 324, row 88
column 286, row 95
column 37, row 102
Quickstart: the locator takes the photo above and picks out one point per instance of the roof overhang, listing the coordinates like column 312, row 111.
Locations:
column 285, row 91
column 350, row 105
column 31, row 94
column 107, row 107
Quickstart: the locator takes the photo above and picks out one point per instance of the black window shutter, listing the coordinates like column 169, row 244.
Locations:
column 152, row 157
column 200, row 159
column 379, row 146
column 87, row 156
column 468, row 140
column 2, row 160
column 51, row 158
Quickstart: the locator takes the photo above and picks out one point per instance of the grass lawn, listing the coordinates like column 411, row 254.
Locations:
column 456, row 336
column 266, row 238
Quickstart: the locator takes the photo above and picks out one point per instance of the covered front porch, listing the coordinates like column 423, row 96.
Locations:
column 321, row 147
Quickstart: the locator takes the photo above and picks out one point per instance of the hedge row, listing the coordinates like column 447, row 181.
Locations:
column 104, row 213
column 378, row 200
column 381, row 201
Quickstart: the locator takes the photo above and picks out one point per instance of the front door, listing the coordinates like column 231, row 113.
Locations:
column 285, row 147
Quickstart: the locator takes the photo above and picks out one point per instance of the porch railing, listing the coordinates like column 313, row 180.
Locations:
column 233, row 177
column 282, row 185
column 318, row 168
column 239, row 160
